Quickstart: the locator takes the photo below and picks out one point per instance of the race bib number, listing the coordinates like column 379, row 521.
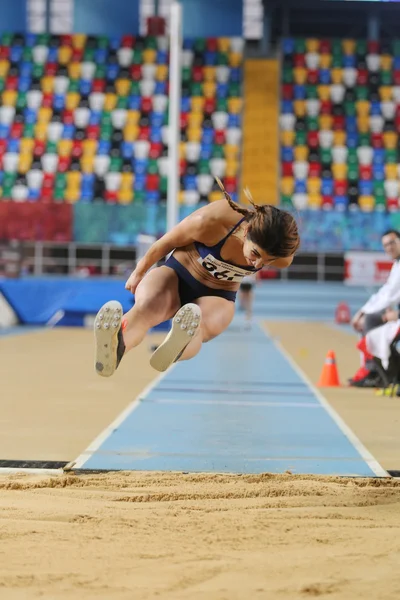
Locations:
column 223, row 271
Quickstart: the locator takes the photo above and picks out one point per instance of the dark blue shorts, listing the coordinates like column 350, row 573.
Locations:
column 190, row 289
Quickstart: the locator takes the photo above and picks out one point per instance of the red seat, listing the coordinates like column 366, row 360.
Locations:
column 182, row 166
column 373, row 47
column 12, row 82
column 39, row 148
column 326, row 107
column 220, row 137
column 392, row 204
column 287, row 169
column 184, row 119
column 16, row 131
column 46, row 195
column 98, row 85
column 127, row 41
column 152, row 183
column 4, row 52
column 299, row 60
column 327, row 202
column 362, row 77
column 340, row 187
column 47, row 100
column 315, row 169
column 50, row 69
column 136, row 72
column 209, row 106
column 377, row 139
column 396, row 78
column 339, row 122
column 144, row 133
column 325, row 46
column 3, row 146
column 48, row 180
column 77, row 55
column 366, row 172
column 63, row 164
column 93, row 132
column 287, row 91
column 313, row 76
column 156, row 149
column 66, row 39
column 197, row 74
column 312, row 139
column 231, row 184
column 111, row 197
column 146, row 104
column 68, row 117
column 77, row 149
column 212, row 44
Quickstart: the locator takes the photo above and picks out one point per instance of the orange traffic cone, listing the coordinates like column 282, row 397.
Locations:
column 329, row 376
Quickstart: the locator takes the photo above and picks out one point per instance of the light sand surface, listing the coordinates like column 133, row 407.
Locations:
column 215, row 537
column 375, row 420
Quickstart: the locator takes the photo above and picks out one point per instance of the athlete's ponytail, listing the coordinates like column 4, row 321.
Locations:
column 271, row 228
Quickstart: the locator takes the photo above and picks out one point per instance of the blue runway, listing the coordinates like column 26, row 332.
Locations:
column 240, row 406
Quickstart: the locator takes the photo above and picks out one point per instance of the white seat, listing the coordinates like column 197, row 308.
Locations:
column 193, row 150
column 220, row 120
column 376, row 123
column 160, row 103
column 373, row 62
column 365, row 155
column 88, row 70
column 10, row 162
column 166, row 135
column 34, row 99
column 149, row 71
column 101, row 164
column 141, row 149
column 19, row 193
column 39, row 54
column 287, row 122
column 162, row 43
column 337, row 93
column 300, row 201
column 218, row 167
column 191, row 197
column 96, row 101
column 300, row 169
column 54, row 131
column 391, row 188
column 388, row 109
column 125, row 56
column 312, row 60
column 147, row 87
column 313, row 107
column 237, row 45
column 163, row 165
column 339, row 154
column 233, row 136
column 7, row 114
column 61, row 83
column 349, row 76
column 187, row 58
column 205, row 183
column 81, row 117
column 34, row 179
column 118, row 118
column 222, row 73
column 112, row 181
column 396, row 93
column 49, row 162
column 325, row 137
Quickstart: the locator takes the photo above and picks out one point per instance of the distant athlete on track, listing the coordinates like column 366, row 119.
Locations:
column 197, row 285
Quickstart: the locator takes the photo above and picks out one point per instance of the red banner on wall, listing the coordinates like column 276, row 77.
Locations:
column 366, row 268
column 36, row 222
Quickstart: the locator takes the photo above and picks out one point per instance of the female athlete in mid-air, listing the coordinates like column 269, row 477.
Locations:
column 197, row 285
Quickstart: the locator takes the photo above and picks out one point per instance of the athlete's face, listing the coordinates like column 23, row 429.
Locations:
column 391, row 245
column 254, row 255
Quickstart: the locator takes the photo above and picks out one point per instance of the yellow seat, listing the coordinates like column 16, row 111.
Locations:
column 300, row 108
column 314, row 201
column 349, row 46
column 235, row 59
column 110, row 102
column 41, row 131
column 194, row 134
column 182, row 150
column 324, row 92
column 79, row 40
column 314, row 185
column 231, row 151
column 64, row 147
column 9, row 97
column 122, row 87
column 339, row 138
column 74, row 179
column 362, row 108
column 390, row 140
column 386, row 62
column 125, row 196
column 149, row 56
column 235, row 105
column 391, row 171
column 232, row 168
column 4, row 67
column 287, row 138
column 337, row 75
column 325, row 122
column 223, row 44
column 209, row 89
column 366, row 203
column 363, row 123
column 72, row 195
column 132, row 117
column 312, row 45
column 209, row 73
column 44, row 114
column 325, row 61
column 24, row 162
column 300, row 75
column 64, row 55
column 126, row 181
column 26, row 145
column 74, row 70
column 197, row 103
column 339, row 171
column 385, row 92
column 47, row 84
column 287, row 186
column 195, row 119
column 72, row 100
column 87, row 163
column 181, row 196
column 131, row 133
column 89, row 147
column 214, row 196
column 162, row 72
column 301, row 153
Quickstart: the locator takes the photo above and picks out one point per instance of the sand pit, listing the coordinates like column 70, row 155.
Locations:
column 214, row 537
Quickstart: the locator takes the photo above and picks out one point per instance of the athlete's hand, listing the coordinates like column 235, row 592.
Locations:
column 134, row 279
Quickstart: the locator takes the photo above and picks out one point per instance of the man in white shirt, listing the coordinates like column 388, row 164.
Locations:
column 379, row 308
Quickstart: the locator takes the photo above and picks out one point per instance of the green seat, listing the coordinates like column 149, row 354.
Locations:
column 353, row 172
column 43, row 39
column 61, row 181
column 59, row 194
column 2, row 84
column 337, row 62
column 21, row 100
column 186, row 74
column 6, row 39
column 199, row 45
column 29, row 131
column 361, row 47
column 326, row 156
column 105, row 135
column 222, row 58
column 362, row 92
column 105, row 120
column 140, row 197
column 151, row 42
column 166, row 118
column 286, row 201
column 196, row 89
column 6, row 191
column 100, row 72
column 122, row 102
column 88, row 55
column 386, row 78
column 116, row 164
column 222, row 105
column 287, row 75
column 312, row 92
column 9, row 179
column 391, row 156
column 364, row 139
column 336, row 48
column 102, row 42
column 73, row 85
column 300, row 138
column 152, row 166
column 135, row 88
column 27, row 54
column 164, row 185
column 379, row 188
column 350, row 108
column 312, row 123
column 300, row 46
column 203, row 166
column 137, row 57
column 218, row 152
column 51, row 147
column 352, row 158
column 234, row 90
column 37, row 71
column 380, row 199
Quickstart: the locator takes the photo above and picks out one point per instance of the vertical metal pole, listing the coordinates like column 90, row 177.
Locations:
column 174, row 113
column 47, row 16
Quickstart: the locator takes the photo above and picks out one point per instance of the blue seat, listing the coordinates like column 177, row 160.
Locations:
column 155, row 135
column 114, row 42
column 30, row 39
column 13, row 145
column 68, row 132
column 375, row 108
column 1, row 177
column 161, row 88
column 378, row 172
column 88, row 178
column 152, row 197
column 24, row 83
column 233, row 120
column 112, row 72
column 188, row 44
column 351, row 125
column 210, row 58
column 85, row 87
column 140, row 183
column 288, row 46
column 15, row 54
column 287, row 154
column 340, row 202
column 366, row 188
column 25, row 69
column 300, row 92
column 235, row 76
column 127, row 149
column 59, row 101
column 325, row 76
column 206, row 151
column 33, row 195
column 4, row 131
column 207, row 136
column 95, row 117
column 287, row 107
column 30, row 116
column 162, row 57
column 396, row 63
column 190, row 182
column 141, row 166
column 352, row 139
column 349, row 61
column 104, row 147
column 186, row 104
column 327, row 187
column 156, row 119
column 300, row 186
column 235, row 196
column 52, row 56
column 134, row 102
column 86, row 197
column 100, row 56
column 222, row 90
column 378, row 157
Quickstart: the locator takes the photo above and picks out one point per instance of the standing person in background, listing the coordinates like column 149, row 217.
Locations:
column 246, row 297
